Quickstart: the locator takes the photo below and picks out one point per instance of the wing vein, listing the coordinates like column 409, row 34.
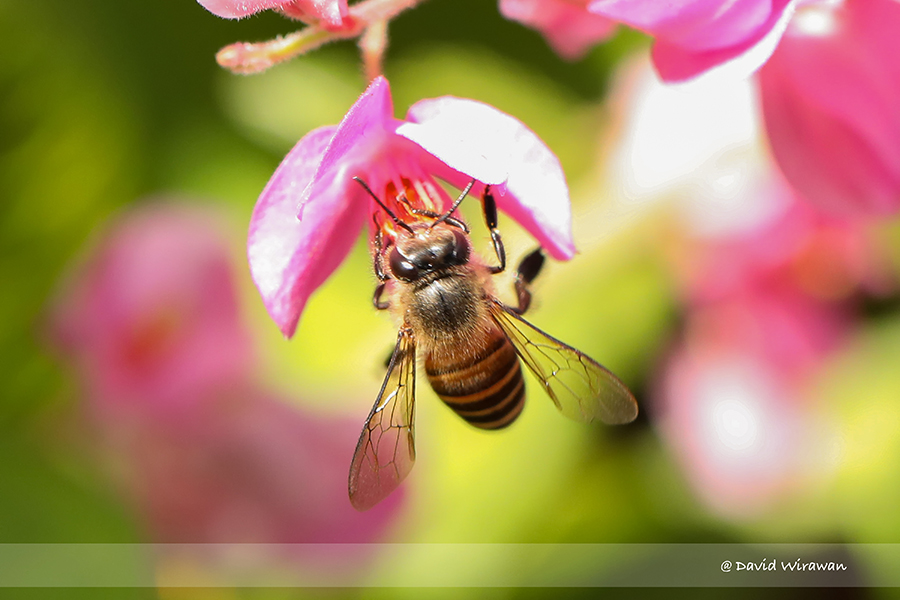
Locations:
column 579, row 386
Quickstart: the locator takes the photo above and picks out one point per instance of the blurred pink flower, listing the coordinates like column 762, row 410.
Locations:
column 694, row 36
column 785, row 288
column 310, row 213
column 744, row 435
column 152, row 325
column 823, row 256
column 152, row 317
column 249, row 469
column 331, row 13
column 765, row 310
column 567, row 26
column 831, row 101
column 829, row 74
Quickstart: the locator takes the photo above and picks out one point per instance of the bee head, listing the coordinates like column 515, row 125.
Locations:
column 428, row 250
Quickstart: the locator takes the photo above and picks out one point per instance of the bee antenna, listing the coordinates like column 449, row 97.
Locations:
column 456, row 204
column 382, row 205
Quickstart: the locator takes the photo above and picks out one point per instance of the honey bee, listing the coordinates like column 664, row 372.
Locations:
column 472, row 346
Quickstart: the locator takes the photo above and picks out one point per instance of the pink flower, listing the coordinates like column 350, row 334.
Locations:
column 152, row 326
column 568, row 27
column 331, row 13
column 694, row 36
column 785, row 288
column 831, row 100
column 829, row 74
column 798, row 247
column 310, row 213
column 249, row 468
column 746, row 437
column 732, row 401
column 153, row 315
column 766, row 309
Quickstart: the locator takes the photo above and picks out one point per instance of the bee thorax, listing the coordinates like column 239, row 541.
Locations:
column 447, row 310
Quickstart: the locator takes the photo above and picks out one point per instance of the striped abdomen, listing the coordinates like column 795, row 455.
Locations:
column 483, row 385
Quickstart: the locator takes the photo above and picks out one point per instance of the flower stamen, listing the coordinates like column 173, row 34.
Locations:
column 382, row 205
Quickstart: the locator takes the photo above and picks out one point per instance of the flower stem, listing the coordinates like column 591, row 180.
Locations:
column 372, row 44
column 368, row 18
column 247, row 58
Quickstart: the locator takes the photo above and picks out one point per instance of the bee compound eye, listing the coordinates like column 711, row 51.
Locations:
column 402, row 268
column 460, row 254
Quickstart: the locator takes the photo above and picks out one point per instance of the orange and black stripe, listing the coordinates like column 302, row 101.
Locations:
column 486, row 388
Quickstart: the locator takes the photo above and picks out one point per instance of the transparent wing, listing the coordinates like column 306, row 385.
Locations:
column 386, row 449
column 580, row 387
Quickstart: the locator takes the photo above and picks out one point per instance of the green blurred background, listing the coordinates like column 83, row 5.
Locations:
column 104, row 103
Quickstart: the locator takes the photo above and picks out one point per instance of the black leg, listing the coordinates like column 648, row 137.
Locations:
column 433, row 215
column 376, row 298
column 378, row 201
column 490, row 217
column 379, row 251
column 459, row 199
column 379, row 271
column 424, row 212
column 528, row 269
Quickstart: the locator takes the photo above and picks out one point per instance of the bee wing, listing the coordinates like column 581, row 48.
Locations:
column 386, row 449
column 581, row 388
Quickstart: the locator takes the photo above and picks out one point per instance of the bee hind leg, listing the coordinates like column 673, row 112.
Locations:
column 528, row 270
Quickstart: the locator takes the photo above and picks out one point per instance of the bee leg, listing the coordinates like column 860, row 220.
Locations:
column 490, row 218
column 424, row 212
column 457, row 223
column 376, row 298
column 379, row 251
column 440, row 218
column 528, row 269
column 379, row 272
column 433, row 215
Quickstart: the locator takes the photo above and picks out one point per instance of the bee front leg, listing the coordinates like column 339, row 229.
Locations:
column 379, row 272
column 376, row 298
column 433, row 215
column 490, row 218
column 528, row 269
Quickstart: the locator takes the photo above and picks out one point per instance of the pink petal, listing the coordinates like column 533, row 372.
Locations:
column 478, row 141
column 675, row 63
column 331, row 12
column 290, row 256
column 566, row 25
column 694, row 25
column 694, row 37
column 363, row 134
column 831, row 109
column 235, row 9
